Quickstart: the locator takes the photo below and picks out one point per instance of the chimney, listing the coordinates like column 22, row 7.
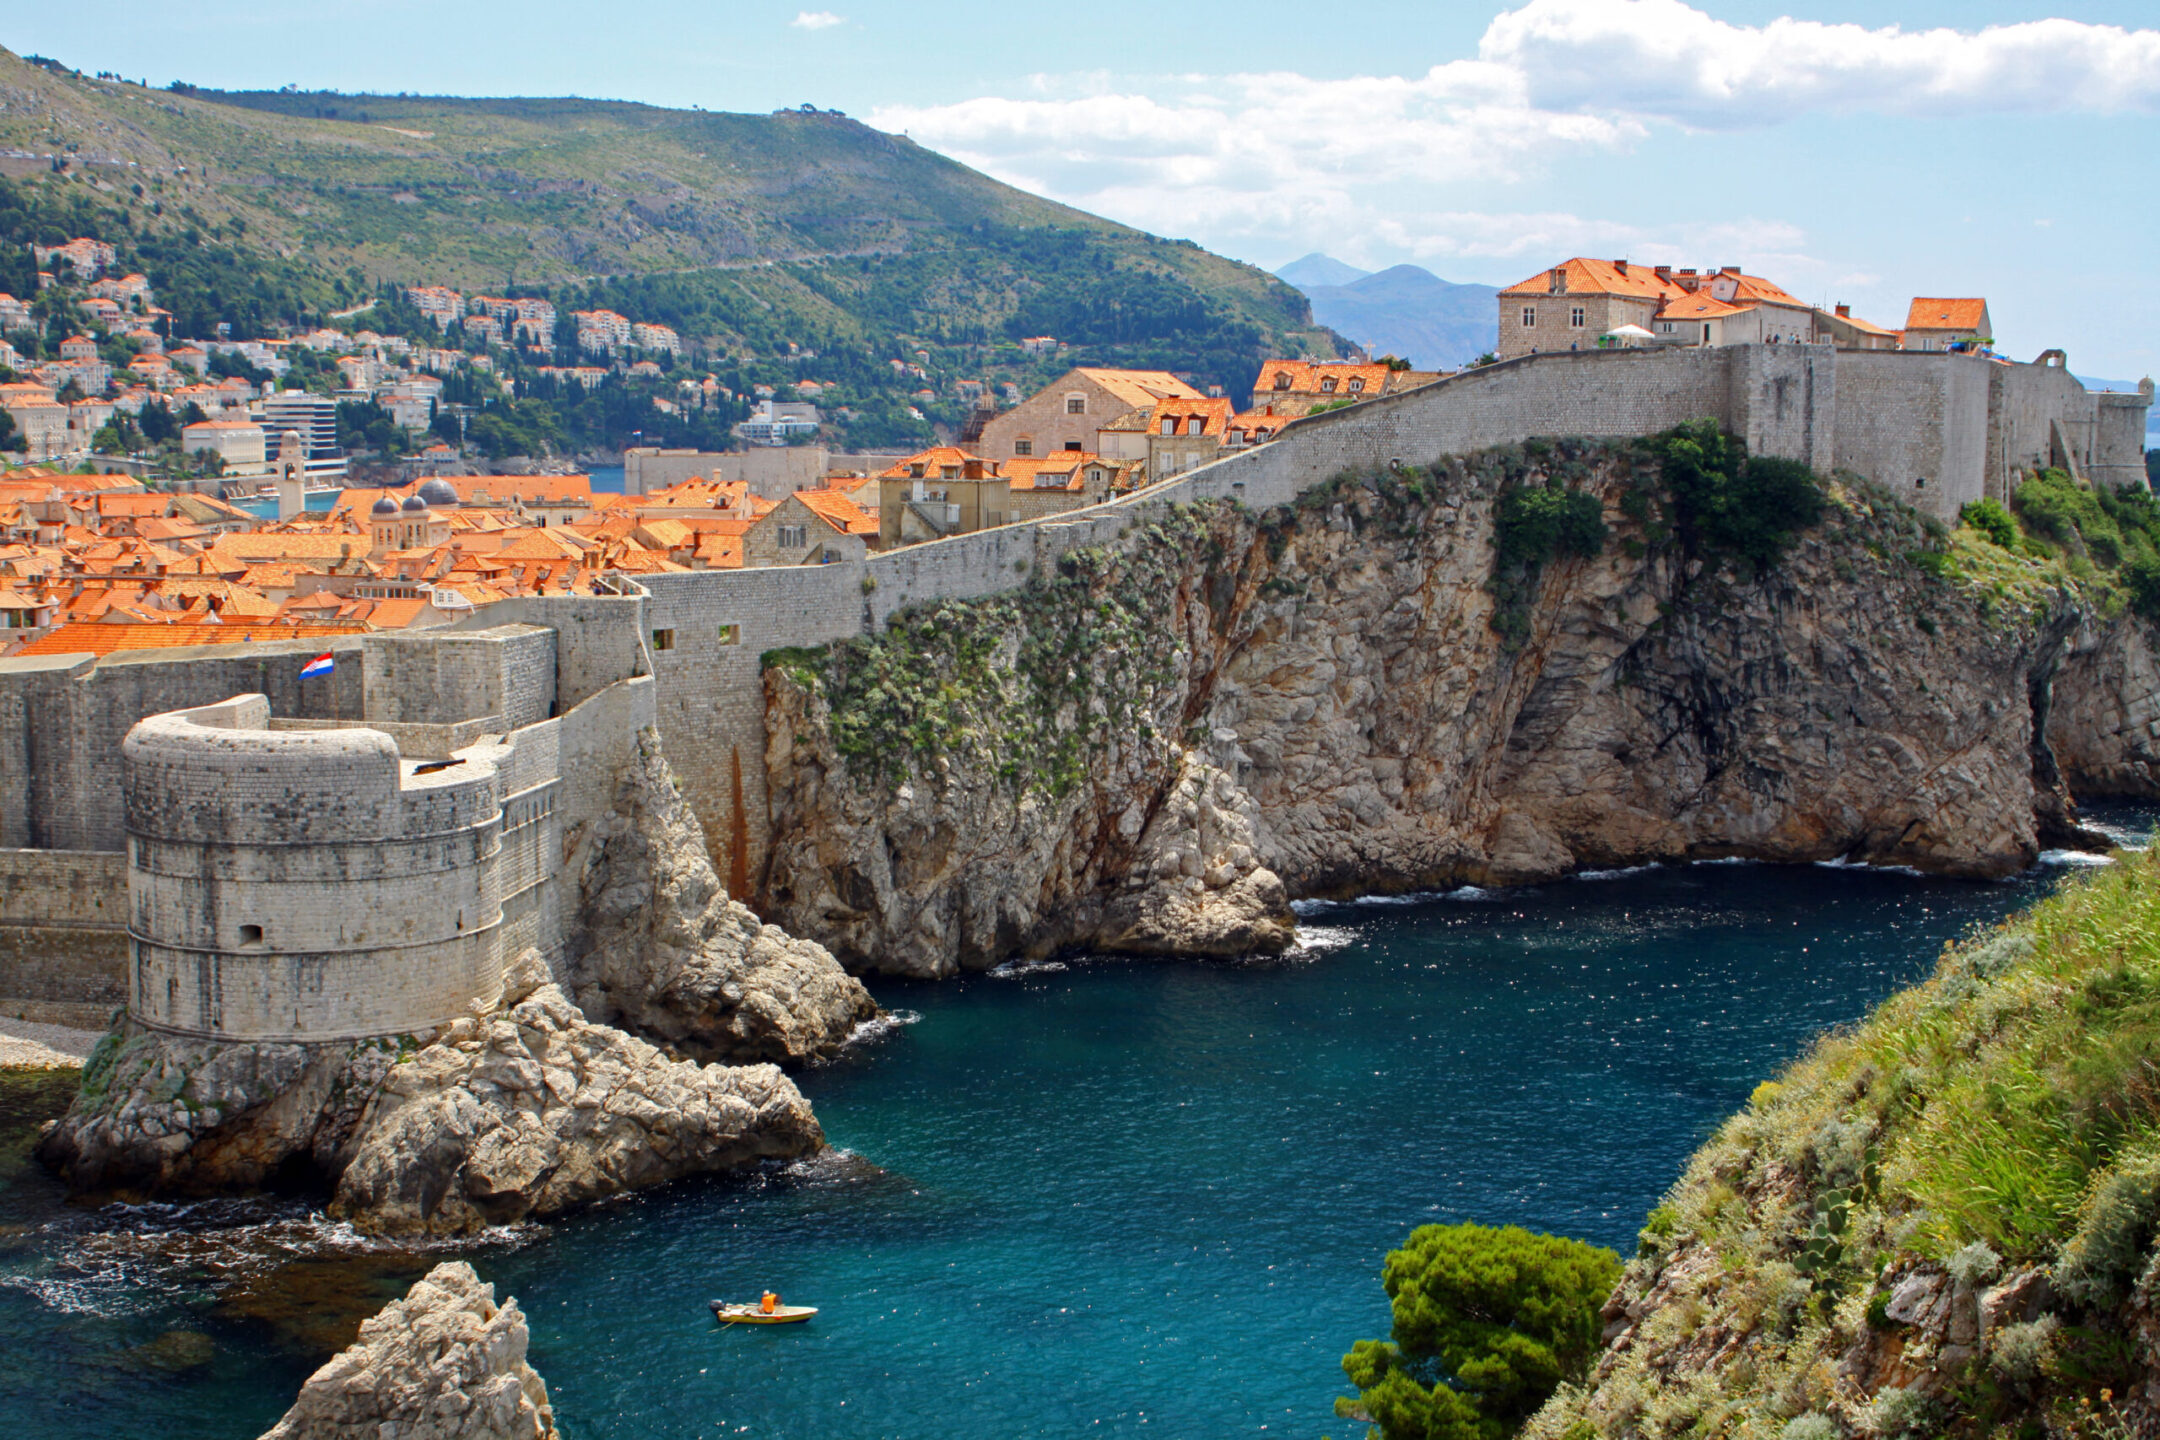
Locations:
column 1621, row 266
column 1844, row 312
column 1728, row 269
column 1663, row 272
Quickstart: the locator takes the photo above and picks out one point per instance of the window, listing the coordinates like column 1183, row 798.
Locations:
column 1357, row 384
column 1023, row 446
column 1192, row 425
column 663, row 639
column 1575, row 318
column 1073, row 445
column 915, row 472
column 792, row 537
column 1076, row 404
column 1529, row 317
column 1706, row 332
column 1282, row 380
column 1169, row 425
column 251, row 935
column 1327, row 386
column 731, row 634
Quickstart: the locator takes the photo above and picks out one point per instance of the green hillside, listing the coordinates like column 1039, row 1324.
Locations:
column 748, row 232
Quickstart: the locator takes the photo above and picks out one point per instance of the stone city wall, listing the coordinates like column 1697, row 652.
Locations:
column 443, row 676
column 304, row 885
column 1895, row 418
column 63, row 718
column 63, row 935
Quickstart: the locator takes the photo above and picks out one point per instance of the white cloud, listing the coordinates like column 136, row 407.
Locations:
column 816, row 20
column 1376, row 168
column 1666, row 59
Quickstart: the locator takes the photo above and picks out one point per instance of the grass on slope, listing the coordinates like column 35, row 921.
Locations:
column 2006, row 1113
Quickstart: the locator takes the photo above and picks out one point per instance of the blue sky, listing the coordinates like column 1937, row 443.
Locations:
column 1985, row 147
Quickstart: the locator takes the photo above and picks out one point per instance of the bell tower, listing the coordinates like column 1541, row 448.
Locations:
column 291, row 475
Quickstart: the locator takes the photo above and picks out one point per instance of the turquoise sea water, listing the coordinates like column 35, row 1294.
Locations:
column 1092, row 1198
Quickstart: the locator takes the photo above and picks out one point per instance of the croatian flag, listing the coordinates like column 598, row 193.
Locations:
column 316, row 668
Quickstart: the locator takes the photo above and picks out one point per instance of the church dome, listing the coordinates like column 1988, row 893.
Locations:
column 439, row 492
column 414, row 505
column 387, row 505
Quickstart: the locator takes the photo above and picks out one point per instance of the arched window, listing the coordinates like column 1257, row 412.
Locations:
column 1327, row 386
column 1357, row 383
column 1282, row 380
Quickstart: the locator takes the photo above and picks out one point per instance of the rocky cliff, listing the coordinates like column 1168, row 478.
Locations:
column 1940, row 1223
column 444, row 1363
column 1381, row 688
column 518, row 1112
column 662, row 950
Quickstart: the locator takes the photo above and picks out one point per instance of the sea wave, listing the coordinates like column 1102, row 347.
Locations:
column 868, row 1032
column 121, row 1260
column 1620, row 874
column 1847, row 862
column 1320, row 939
column 2073, row 858
column 1022, row 969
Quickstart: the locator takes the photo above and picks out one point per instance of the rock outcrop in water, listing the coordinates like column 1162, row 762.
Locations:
column 444, row 1363
column 517, row 1113
column 1153, row 748
column 665, row 952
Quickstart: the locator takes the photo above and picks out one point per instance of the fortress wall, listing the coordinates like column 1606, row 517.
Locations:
column 1894, row 417
column 600, row 639
column 414, row 741
column 304, row 885
column 63, row 718
column 2119, row 439
column 63, row 934
column 1906, row 417
column 443, row 676
column 2025, row 401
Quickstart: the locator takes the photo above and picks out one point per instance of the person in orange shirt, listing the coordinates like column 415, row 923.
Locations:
column 769, row 1302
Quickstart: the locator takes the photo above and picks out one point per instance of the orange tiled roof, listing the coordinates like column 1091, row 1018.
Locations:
column 1939, row 314
column 838, row 511
column 931, row 460
column 105, row 639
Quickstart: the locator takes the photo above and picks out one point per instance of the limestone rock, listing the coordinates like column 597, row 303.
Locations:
column 1332, row 676
column 666, row 953
column 533, row 1110
column 444, row 1363
column 516, row 1113
column 168, row 1115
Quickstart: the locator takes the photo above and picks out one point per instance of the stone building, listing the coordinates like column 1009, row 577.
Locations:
column 1291, row 388
column 1065, row 414
column 1573, row 304
column 1934, row 324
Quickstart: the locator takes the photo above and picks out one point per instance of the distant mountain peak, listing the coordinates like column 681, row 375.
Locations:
column 1319, row 269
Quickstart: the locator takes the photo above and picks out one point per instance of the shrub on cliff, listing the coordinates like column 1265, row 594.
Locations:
column 1536, row 523
column 1725, row 504
column 1992, row 520
column 1487, row 1324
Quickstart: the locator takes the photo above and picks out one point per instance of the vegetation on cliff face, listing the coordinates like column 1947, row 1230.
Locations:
column 1999, row 1277
column 1041, row 678
column 1487, row 1324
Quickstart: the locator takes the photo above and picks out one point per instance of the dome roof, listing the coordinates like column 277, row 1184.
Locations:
column 414, row 504
column 439, row 492
column 387, row 505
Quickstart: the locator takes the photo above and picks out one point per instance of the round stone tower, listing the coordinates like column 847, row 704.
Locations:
column 304, row 885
